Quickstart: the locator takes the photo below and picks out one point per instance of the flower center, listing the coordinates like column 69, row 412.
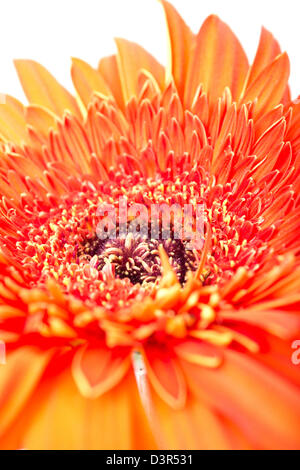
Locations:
column 137, row 258
column 55, row 238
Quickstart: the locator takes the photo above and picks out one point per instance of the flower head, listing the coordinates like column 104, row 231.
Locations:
column 184, row 348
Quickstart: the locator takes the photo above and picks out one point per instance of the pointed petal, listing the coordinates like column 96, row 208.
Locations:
column 97, row 370
column 87, row 80
column 40, row 118
column 266, row 121
column 131, row 59
column 165, row 376
column 286, row 99
column 219, row 61
column 268, row 88
column 293, row 131
column 268, row 49
column 270, row 138
column 181, row 43
column 43, row 89
column 108, row 68
column 12, row 121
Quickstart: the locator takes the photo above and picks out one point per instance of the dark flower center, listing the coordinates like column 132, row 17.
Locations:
column 137, row 258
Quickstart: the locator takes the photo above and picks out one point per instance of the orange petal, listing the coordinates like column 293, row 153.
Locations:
column 286, row 99
column 266, row 121
column 199, row 353
column 87, row 80
column 196, row 426
column 270, row 138
column 12, row 121
column 165, row 376
column 279, row 323
column 108, row 68
column 181, row 43
column 219, row 61
column 40, row 118
column 131, row 59
column 260, row 403
column 267, row 50
column 279, row 358
column 293, row 132
column 59, row 417
column 43, row 89
column 18, row 379
column 97, row 370
column 269, row 87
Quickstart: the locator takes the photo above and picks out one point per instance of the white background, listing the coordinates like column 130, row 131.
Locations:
column 51, row 31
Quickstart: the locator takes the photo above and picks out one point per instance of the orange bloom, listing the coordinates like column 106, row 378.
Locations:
column 131, row 344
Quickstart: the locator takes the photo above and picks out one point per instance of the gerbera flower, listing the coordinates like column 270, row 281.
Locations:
column 135, row 343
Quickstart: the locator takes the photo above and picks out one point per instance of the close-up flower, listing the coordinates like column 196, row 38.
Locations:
column 137, row 342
